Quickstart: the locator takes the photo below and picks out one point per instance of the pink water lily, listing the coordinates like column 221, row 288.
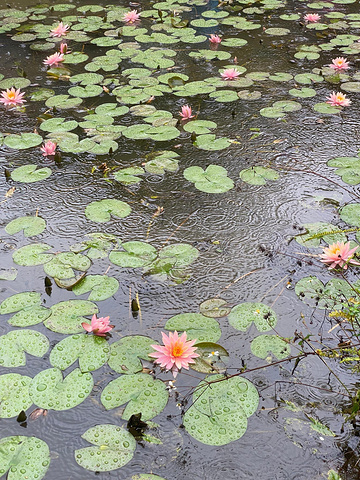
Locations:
column 230, row 74
column 338, row 100
column 176, row 353
column 131, row 17
column 48, row 148
column 215, row 39
column 339, row 63
column 339, row 254
column 60, row 30
column 12, row 97
column 99, row 326
column 186, row 112
column 312, row 17
column 54, row 59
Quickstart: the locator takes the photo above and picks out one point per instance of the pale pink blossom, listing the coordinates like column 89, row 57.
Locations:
column 339, row 63
column 338, row 100
column 131, row 17
column 176, row 353
column 12, row 97
column 312, row 17
column 339, row 254
column 54, row 59
column 215, row 39
column 64, row 48
column 230, row 74
column 48, row 148
column 60, row 30
column 186, row 112
column 99, row 326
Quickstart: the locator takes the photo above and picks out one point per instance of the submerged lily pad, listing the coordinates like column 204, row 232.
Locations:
column 351, row 214
column 141, row 393
column 210, row 142
column 126, row 354
column 212, row 180
column 102, row 210
column 215, row 308
column 14, row 394
column 258, row 175
column 14, row 344
column 197, row 327
column 263, row 344
column 322, row 231
column 29, row 173
column 242, row 316
column 113, row 447
column 30, row 225
column 129, row 176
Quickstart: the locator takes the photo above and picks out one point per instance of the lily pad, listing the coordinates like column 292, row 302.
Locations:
column 199, row 126
column 351, row 214
column 102, row 210
column 215, row 308
column 242, row 316
column 63, row 265
column 17, row 82
column 98, row 245
column 19, row 301
column 92, row 352
column 126, row 354
column 100, row 287
column 113, row 448
column 136, row 254
column 162, row 161
column 50, row 390
column 213, row 180
column 326, row 108
column 58, row 124
column 141, row 393
column 14, row 344
column 63, row 101
column 9, row 274
column 33, row 254
column 23, row 141
column 321, row 230
column 263, row 344
column 348, row 168
column 211, row 143
column 258, row 175
column 30, row 225
column 30, row 316
column 67, row 317
column 29, row 173
column 213, row 358
column 14, row 394
column 129, row 176
column 197, row 327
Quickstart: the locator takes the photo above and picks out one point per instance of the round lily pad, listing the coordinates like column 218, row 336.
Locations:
column 199, row 126
column 277, row 31
column 126, row 354
column 212, row 180
column 129, row 176
column 326, row 108
column 102, row 210
column 210, row 142
column 263, row 344
column 30, row 316
column 136, row 254
column 242, row 316
column 258, row 175
column 320, row 230
column 29, row 173
column 14, row 394
column 17, row 82
column 113, row 447
column 16, row 343
column 197, row 327
column 141, row 393
column 58, row 124
column 63, row 101
column 33, row 254
column 67, row 317
column 50, row 390
column 30, row 225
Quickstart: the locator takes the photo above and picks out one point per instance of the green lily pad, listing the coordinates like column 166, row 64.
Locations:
column 75, row 58
column 214, row 308
column 135, row 254
column 63, row 265
column 224, row 96
column 212, row 180
column 22, row 141
column 277, row 31
column 141, row 393
column 213, row 358
column 19, row 301
column 348, row 168
column 162, row 161
column 29, row 173
column 9, row 274
column 326, row 108
column 100, row 287
column 211, row 143
column 179, row 254
column 67, row 317
column 303, row 92
column 313, row 292
column 63, row 101
column 86, row 92
column 199, row 126
column 50, row 390
column 351, row 87
column 98, row 245
column 242, row 316
column 219, row 411
column 129, row 176
column 351, row 214
column 258, row 175
column 30, row 225
column 58, row 124
column 33, row 254
column 14, row 394
column 113, row 448
column 86, row 78
column 263, row 344
column 126, row 354
column 92, row 352
column 320, row 229
column 102, row 210
column 17, row 82
column 30, row 316
column 197, row 327
column 41, row 94
column 24, row 458
column 308, row 78
column 111, row 109
column 14, row 344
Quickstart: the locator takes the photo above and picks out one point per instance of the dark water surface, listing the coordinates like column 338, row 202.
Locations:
column 227, row 229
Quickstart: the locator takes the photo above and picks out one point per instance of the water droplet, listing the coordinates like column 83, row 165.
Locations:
column 41, row 387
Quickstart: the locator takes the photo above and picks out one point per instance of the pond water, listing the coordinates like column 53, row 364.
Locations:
column 238, row 241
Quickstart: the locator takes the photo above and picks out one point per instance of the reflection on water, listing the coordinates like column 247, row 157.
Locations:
column 227, row 229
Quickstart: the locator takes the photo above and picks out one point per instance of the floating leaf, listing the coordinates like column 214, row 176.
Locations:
column 326, row 108
column 258, row 175
column 97, row 246
column 17, row 82
column 19, row 301
column 8, row 274
column 242, row 316
column 220, row 408
column 136, row 254
column 14, row 344
column 31, row 225
column 320, row 427
column 351, row 214
column 92, row 352
column 197, row 327
column 29, row 173
column 210, row 142
column 24, row 458
column 100, row 287
column 14, row 394
column 141, row 393
column 21, row 142
column 126, row 354
column 129, row 176
column 67, row 317
column 41, row 94
column 213, row 358
column 102, row 210
column 348, row 168
column 63, row 101
column 213, row 180
column 50, row 390
column 58, row 124
column 263, row 344
column 161, row 161
column 30, row 316
column 319, row 228
column 63, row 265
column 215, row 308
column 199, row 126
column 113, row 448
column 277, row 31
column 33, row 254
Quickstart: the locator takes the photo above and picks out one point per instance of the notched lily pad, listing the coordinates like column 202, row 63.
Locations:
column 213, row 358
column 29, row 173
column 197, row 327
column 242, row 316
column 212, row 180
column 30, row 225
column 258, row 175
column 215, row 308
column 136, row 254
column 126, row 354
column 67, row 317
column 100, row 287
column 262, row 345
column 14, row 394
column 16, row 343
column 102, row 210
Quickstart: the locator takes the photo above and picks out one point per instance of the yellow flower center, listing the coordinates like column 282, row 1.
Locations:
column 11, row 95
column 177, row 350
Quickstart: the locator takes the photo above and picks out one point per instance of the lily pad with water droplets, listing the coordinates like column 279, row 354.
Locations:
column 33, row 254
column 211, row 143
column 17, row 82
column 348, row 168
column 332, row 295
column 219, row 411
column 136, row 254
column 113, row 447
column 262, row 345
column 30, row 225
column 308, row 78
column 14, row 344
column 63, row 265
column 351, row 214
column 24, row 458
column 126, row 354
column 212, row 180
column 102, row 210
column 319, row 229
column 14, row 394
column 41, row 94
column 67, row 317
column 215, row 308
column 199, row 126
column 243, row 315
column 21, row 142
column 29, row 173
column 213, row 358
column 258, row 175
column 9, row 274
column 50, row 390
column 129, row 176
column 141, row 393
column 92, row 352
column 197, row 327
column 87, row 78
column 98, row 245
column 162, row 161
column 100, row 287
column 20, row 301
column 30, row 316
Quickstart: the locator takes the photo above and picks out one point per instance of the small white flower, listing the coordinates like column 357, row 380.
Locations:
column 214, row 354
column 170, row 386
